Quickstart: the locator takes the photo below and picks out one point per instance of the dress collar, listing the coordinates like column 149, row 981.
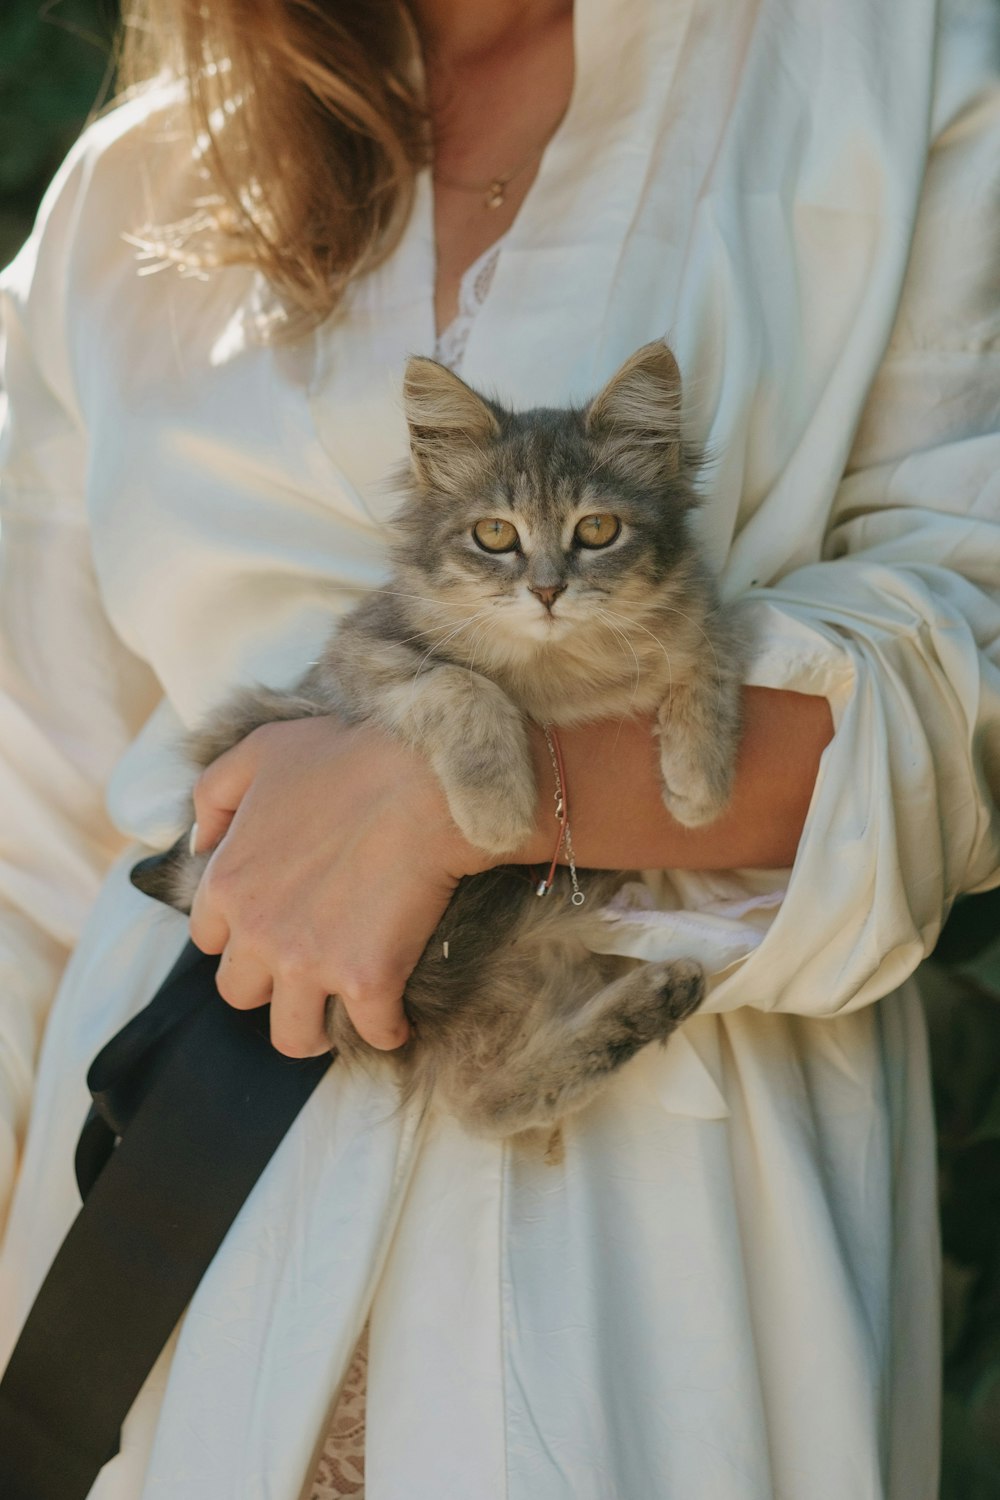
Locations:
column 564, row 246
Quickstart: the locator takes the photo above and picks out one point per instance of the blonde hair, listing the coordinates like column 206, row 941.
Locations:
column 307, row 117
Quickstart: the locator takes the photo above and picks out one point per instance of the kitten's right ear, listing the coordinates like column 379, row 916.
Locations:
column 449, row 423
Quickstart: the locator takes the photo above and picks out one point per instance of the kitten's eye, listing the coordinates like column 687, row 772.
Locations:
column 597, row 531
column 495, row 535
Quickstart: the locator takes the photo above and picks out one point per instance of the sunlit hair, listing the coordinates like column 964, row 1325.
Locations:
column 308, row 119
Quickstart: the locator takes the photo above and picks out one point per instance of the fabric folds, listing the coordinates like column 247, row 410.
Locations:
column 727, row 1289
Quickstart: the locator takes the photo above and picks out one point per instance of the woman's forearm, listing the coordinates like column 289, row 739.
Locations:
column 618, row 818
column 311, row 817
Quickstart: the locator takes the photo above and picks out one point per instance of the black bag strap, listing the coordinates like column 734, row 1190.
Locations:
column 190, row 1103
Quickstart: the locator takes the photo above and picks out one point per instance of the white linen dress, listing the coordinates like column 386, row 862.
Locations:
column 727, row 1291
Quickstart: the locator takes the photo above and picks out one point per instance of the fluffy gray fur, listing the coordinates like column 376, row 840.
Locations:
column 522, row 1022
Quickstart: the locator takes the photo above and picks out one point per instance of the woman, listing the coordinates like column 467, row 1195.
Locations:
column 727, row 1289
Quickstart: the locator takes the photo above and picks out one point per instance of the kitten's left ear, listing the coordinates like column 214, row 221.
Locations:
column 637, row 416
column 449, row 423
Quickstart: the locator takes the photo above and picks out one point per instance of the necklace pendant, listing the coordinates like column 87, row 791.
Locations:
column 496, row 193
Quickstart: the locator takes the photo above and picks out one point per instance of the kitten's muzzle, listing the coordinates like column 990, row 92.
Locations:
column 548, row 593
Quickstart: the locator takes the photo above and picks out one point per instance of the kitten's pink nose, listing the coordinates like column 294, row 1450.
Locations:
column 548, row 593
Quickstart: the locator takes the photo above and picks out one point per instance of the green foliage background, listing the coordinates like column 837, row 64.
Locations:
column 54, row 65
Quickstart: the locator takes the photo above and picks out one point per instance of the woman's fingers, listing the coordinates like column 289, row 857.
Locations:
column 242, row 980
column 379, row 1021
column 337, row 861
column 219, row 791
column 208, row 926
column 297, row 1012
column 372, row 995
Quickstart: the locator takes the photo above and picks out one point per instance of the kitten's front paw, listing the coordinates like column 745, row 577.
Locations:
column 692, row 811
column 496, row 822
column 693, row 796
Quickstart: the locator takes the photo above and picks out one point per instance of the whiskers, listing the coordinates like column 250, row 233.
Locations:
column 673, row 610
column 605, row 618
column 436, row 648
column 435, row 604
column 692, row 621
column 624, row 625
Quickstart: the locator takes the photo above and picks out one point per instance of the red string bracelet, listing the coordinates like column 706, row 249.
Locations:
column 562, row 817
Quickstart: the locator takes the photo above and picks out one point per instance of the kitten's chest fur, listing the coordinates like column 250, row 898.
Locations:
column 595, row 675
column 611, row 661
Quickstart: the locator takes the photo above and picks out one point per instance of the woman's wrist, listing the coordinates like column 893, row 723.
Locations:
column 614, row 796
column 541, row 846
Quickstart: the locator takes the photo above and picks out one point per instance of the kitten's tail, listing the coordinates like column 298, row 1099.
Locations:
column 171, row 877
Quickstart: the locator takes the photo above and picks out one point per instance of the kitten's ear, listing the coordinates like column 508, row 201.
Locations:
column 636, row 419
column 449, row 423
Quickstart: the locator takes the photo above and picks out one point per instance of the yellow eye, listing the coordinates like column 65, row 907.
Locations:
column 597, row 531
column 495, row 535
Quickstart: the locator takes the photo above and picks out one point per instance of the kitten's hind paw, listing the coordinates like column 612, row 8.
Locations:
column 560, row 1068
column 649, row 1005
column 680, row 986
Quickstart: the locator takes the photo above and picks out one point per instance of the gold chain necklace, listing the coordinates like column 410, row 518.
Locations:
column 495, row 189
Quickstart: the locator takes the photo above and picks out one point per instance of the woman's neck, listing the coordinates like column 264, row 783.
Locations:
column 464, row 29
column 499, row 75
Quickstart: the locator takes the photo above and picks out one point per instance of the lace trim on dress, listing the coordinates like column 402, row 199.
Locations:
column 341, row 1472
column 472, row 293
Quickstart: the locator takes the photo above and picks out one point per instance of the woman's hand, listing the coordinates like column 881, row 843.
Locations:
column 337, row 858
column 338, row 853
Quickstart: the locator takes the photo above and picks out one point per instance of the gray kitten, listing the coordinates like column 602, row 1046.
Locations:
column 544, row 568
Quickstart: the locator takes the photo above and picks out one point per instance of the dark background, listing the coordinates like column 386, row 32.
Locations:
column 54, row 64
